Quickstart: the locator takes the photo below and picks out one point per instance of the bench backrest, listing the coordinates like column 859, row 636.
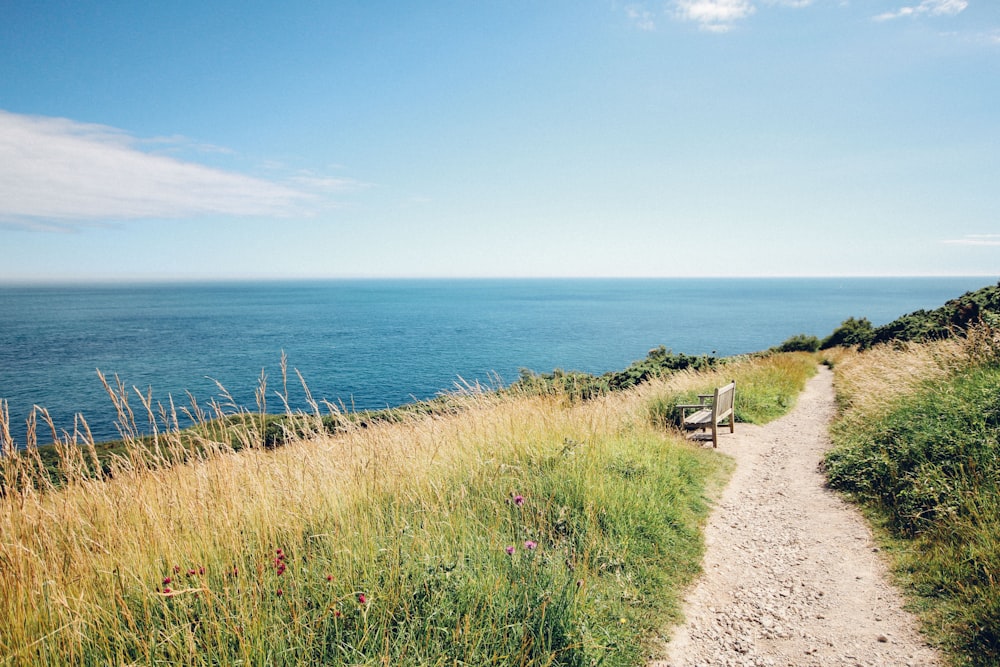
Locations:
column 722, row 403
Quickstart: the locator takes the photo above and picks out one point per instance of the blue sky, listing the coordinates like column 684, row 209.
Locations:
column 233, row 140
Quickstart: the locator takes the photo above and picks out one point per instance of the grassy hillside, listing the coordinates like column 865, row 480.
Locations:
column 917, row 445
column 514, row 528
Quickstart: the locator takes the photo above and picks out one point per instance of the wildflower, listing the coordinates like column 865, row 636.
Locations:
column 329, row 577
column 361, row 598
column 191, row 573
column 530, row 544
column 279, row 592
column 518, row 500
column 167, row 591
column 177, row 569
column 166, row 580
column 336, row 613
column 510, row 550
column 201, row 570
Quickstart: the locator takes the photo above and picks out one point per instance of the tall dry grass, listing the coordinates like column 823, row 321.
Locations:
column 514, row 529
column 385, row 542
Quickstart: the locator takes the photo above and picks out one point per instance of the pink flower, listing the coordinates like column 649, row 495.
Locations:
column 510, row 550
column 279, row 592
column 518, row 500
column 177, row 569
column 530, row 544
column 167, row 591
column 166, row 580
column 362, row 599
column 329, row 577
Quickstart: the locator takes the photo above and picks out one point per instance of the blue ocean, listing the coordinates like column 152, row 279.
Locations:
column 377, row 343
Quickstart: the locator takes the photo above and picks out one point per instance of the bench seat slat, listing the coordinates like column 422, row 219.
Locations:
column 698, row 418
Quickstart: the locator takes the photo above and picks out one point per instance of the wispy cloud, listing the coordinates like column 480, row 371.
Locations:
column 926, row 8
column 641, row 17
column 976, row 239
column 59, row 173
column 797, row 4
column 714, row 15
column 717, row 16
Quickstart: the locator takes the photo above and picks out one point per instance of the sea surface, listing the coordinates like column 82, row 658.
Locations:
column 377, row 343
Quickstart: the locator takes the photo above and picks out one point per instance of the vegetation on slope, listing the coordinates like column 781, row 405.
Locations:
column 517, row 528
column 955, row 316
column 917, row 445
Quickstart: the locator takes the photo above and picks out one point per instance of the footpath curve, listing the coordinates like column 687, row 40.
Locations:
column 791, row 573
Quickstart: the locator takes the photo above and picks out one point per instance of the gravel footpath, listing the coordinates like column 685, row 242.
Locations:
column 791, row 574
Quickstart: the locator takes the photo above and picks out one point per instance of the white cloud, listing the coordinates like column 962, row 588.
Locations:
column 56, row 172
column 714, row 15
column 976, row 239
column 992, row 37
column 642, row 17
column 926, row 8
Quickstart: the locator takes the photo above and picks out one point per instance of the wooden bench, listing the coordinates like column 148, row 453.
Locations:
column 713, row 414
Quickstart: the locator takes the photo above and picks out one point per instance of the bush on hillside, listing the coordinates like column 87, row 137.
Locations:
column 799, row 343
column 851, row 333
column 955, row 317
column 578, row 385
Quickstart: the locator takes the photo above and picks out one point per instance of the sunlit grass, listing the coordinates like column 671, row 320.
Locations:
column 766, row 387
column 516, row 530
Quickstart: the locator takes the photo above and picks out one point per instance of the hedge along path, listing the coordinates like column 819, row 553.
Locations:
column 792, row 575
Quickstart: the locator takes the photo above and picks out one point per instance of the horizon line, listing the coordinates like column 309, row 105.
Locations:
column 175, row 280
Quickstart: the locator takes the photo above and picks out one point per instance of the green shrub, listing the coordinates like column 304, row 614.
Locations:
column 851, row 333
column 799, row 343
column 578, row 385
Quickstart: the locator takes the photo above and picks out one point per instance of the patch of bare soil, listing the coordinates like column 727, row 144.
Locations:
column 791, row 573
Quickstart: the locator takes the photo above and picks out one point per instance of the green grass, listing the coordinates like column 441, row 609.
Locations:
column 766, row 388
column 928, row 471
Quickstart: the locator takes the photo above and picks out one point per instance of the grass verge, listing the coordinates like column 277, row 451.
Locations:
column 917, row 445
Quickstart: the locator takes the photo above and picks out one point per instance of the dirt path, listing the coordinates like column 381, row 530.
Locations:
column 792, row 576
